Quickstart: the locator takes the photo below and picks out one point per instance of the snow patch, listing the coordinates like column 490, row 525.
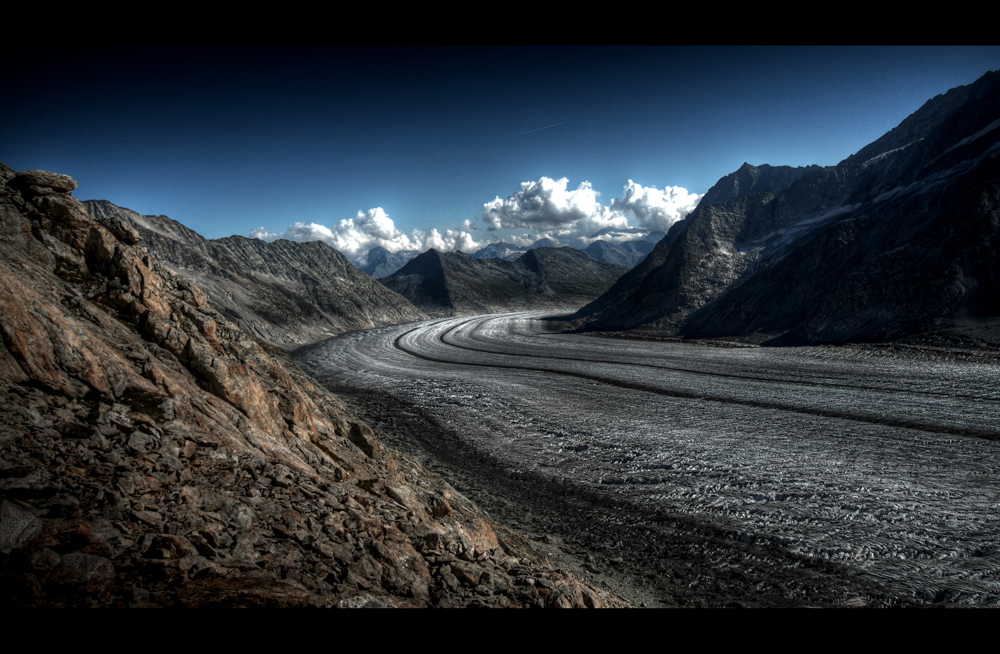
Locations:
column 881, row 157
column 969, row 139
column 792, row 232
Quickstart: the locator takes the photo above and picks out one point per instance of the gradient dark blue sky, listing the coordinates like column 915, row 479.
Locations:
column 227, row 139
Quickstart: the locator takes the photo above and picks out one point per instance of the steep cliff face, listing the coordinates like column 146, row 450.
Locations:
column 285, row 293
column 923, row 262
column 154, row 454
column 898, row 239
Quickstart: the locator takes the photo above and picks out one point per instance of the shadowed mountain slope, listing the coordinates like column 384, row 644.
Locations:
column 285, row 293
column 900, row 238
column 454, row 283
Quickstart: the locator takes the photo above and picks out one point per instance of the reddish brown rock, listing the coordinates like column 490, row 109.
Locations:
column 243, row 593
column 153, row 454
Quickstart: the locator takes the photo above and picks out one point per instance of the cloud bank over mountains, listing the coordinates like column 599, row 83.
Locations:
column 548, row 208
column 654, row 209
column 552, row 210
column 353, row 237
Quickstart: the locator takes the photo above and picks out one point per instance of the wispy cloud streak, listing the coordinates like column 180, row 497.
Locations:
column 532, row 131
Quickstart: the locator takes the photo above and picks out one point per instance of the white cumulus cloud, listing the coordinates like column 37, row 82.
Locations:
column 450, row 240
column 549, row 206
column 552, row 209
column 353, row 237
column 655, row 209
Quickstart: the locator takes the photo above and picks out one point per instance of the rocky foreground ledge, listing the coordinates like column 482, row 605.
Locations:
column 152, row 454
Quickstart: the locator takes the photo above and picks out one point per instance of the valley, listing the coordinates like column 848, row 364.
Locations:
column 876, row 473
column 785, row 395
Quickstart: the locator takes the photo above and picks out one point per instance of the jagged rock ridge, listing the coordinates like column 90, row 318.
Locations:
column 454, row 283
column 900, row 238
column 154, row 454
column 285, row 293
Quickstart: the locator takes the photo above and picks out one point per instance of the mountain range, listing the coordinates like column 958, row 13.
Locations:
column 382, row 263
column 509, row 251
column 627, row 253
column 455, row 283
column 285, row 293
column 157, row 449
column 897, row 240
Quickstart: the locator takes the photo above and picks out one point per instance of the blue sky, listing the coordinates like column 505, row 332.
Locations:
column 230, row 139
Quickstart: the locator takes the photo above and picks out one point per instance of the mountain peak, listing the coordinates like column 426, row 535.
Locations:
column 750, row 179
column 903, row 243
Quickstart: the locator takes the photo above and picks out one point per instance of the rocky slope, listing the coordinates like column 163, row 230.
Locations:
column 897, row 240
column 454, row 283
column 285, row 293
column 154, row 454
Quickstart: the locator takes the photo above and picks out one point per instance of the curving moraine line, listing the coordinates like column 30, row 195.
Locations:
column 676, row 393
column 479, row 320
